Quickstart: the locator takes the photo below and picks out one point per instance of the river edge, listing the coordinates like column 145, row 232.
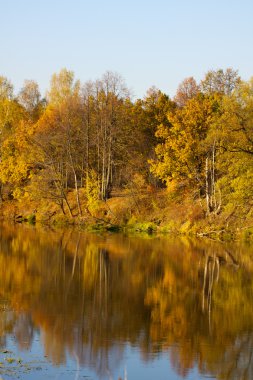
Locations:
column 142, row 228
column 143, row 213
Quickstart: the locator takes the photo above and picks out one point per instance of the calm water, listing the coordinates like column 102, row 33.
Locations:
column 81, row 306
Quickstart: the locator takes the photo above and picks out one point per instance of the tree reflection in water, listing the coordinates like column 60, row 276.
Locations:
column 91, row 295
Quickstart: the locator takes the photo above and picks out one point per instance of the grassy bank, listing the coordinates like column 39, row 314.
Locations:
column 146, row 211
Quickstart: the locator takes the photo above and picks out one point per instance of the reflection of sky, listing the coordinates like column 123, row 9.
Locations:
column 158, row 368
column 123, row 362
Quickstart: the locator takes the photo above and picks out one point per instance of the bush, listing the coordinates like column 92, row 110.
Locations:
column 31, row 219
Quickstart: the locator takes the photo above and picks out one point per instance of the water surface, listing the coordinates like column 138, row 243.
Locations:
column 75, row 305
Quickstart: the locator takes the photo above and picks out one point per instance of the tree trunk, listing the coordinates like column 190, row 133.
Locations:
column 208, row 209
column 76, row 183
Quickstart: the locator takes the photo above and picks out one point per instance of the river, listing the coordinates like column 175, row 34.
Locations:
column 75, row 305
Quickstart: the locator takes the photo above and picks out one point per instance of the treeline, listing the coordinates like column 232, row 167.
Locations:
column 92, row 138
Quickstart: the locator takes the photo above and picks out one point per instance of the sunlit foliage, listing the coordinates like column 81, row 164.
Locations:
column 85, row 142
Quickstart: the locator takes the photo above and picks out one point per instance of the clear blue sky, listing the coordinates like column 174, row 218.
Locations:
column 158, row 42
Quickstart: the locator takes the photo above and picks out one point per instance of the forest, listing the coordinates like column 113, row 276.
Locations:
column 88, row 153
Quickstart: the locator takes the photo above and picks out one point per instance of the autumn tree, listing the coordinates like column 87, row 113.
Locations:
column 30, row 98
column 220, row 81
column 236, row 141
column 57, row 136
column 110, row 122
column 6, row 88
column 189, row 149
column 14, row 168
column 237, row 119
column 183, row 152
column 147, row 115
column 187, row 90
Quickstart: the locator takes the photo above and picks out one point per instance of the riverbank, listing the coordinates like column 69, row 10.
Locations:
column 148, row 211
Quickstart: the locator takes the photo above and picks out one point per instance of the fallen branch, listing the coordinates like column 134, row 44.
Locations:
column 201, row 234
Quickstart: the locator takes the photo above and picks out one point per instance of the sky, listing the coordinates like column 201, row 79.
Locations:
column 149, row 43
